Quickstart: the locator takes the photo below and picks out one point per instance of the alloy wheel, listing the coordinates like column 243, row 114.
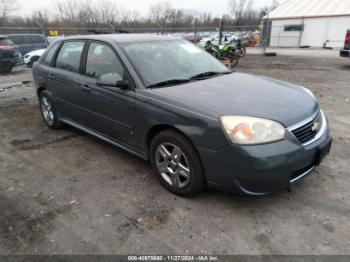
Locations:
column 172, row 164
column 47, row 111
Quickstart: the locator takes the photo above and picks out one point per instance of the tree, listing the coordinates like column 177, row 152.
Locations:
column 274, row 5
column 240, row 9
column 129, row 17
column 160, row 13
column 68, row 10
column 7, row 8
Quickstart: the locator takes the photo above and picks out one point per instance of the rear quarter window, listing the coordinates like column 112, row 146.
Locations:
column 5, row 41
column 35, row 39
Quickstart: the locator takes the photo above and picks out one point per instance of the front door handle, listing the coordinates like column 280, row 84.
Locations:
column 85, row 88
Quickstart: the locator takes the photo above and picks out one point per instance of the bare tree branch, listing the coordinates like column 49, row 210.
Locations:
column 160, row 13
column 7, row 8
column 240, row 9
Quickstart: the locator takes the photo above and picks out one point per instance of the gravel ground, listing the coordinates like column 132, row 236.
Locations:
column 63, row 192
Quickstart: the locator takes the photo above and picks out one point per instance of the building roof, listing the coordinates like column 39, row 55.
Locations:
column 310, row 8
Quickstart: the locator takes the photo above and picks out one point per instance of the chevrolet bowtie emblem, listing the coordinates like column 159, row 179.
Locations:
column 316, row 127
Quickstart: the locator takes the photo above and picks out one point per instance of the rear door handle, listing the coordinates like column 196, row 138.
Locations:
column 85, row 88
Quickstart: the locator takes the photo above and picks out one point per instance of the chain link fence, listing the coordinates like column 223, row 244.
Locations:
column 255, row 36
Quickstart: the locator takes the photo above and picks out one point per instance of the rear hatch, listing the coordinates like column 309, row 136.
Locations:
column 9, row 55
column 7, row 51
column 347, row 41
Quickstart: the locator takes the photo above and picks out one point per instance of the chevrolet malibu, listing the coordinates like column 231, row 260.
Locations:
column 198, row 123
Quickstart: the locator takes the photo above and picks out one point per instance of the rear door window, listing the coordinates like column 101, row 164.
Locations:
column 70, row 55
column 50, row 55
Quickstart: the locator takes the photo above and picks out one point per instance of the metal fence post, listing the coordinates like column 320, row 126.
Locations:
column 113, row 28
column 221, row 29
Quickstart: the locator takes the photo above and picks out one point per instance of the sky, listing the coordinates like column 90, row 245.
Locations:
column 216, row 7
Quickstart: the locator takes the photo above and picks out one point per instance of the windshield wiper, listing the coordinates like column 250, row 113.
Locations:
column 169, row 82
column 208, row 74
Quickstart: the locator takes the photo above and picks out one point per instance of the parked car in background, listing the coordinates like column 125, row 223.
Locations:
column 346, row 51
column 28, row 42
column 32, row 57
column 193, row 38
column 168, row 101
column 9, row 55
column 52, row 39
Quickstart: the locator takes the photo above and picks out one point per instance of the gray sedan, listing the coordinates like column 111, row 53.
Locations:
column 199, row 124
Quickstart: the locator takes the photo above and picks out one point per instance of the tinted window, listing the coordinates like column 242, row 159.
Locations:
column 50, row 54
column 17, row 39
column 5, row 41
column 102, row 60
column 69, row 56
column 35, row 39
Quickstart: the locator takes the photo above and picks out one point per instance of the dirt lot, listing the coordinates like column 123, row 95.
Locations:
column 63, row 192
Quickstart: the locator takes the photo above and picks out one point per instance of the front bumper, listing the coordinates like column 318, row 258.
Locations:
column 345, row 53
column 264, row 169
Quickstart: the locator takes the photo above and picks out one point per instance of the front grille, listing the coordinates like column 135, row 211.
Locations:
column 308, row 131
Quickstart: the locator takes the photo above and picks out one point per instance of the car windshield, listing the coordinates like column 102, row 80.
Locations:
column 171, row 62
column 5, row 41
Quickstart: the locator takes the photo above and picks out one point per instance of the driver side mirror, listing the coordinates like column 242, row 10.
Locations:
column 112, row 80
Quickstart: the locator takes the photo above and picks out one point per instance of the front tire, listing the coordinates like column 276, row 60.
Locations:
column 176, row 164
column 48, row 110
column 32, row 61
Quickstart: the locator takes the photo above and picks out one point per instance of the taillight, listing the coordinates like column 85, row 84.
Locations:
column 347, row 38
column 6, row 47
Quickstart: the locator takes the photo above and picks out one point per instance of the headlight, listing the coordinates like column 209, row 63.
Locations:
column 246, row 130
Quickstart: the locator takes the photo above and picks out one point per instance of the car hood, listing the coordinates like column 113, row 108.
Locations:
column 243, row 95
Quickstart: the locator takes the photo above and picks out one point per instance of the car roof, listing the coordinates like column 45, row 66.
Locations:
column 123, row 38
column 3, row 37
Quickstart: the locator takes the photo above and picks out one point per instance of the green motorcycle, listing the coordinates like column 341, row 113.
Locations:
column 228, row 54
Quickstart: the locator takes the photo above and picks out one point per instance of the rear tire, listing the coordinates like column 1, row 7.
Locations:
column 242, row 52
column 48, row 110
column 234, row 60
column 176, row 164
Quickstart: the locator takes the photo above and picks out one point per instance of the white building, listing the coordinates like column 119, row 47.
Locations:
column 314, row 23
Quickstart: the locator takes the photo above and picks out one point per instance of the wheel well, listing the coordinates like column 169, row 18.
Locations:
column 34, row 57
column 155, row 130
column 40, row 89
column 159, row 128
